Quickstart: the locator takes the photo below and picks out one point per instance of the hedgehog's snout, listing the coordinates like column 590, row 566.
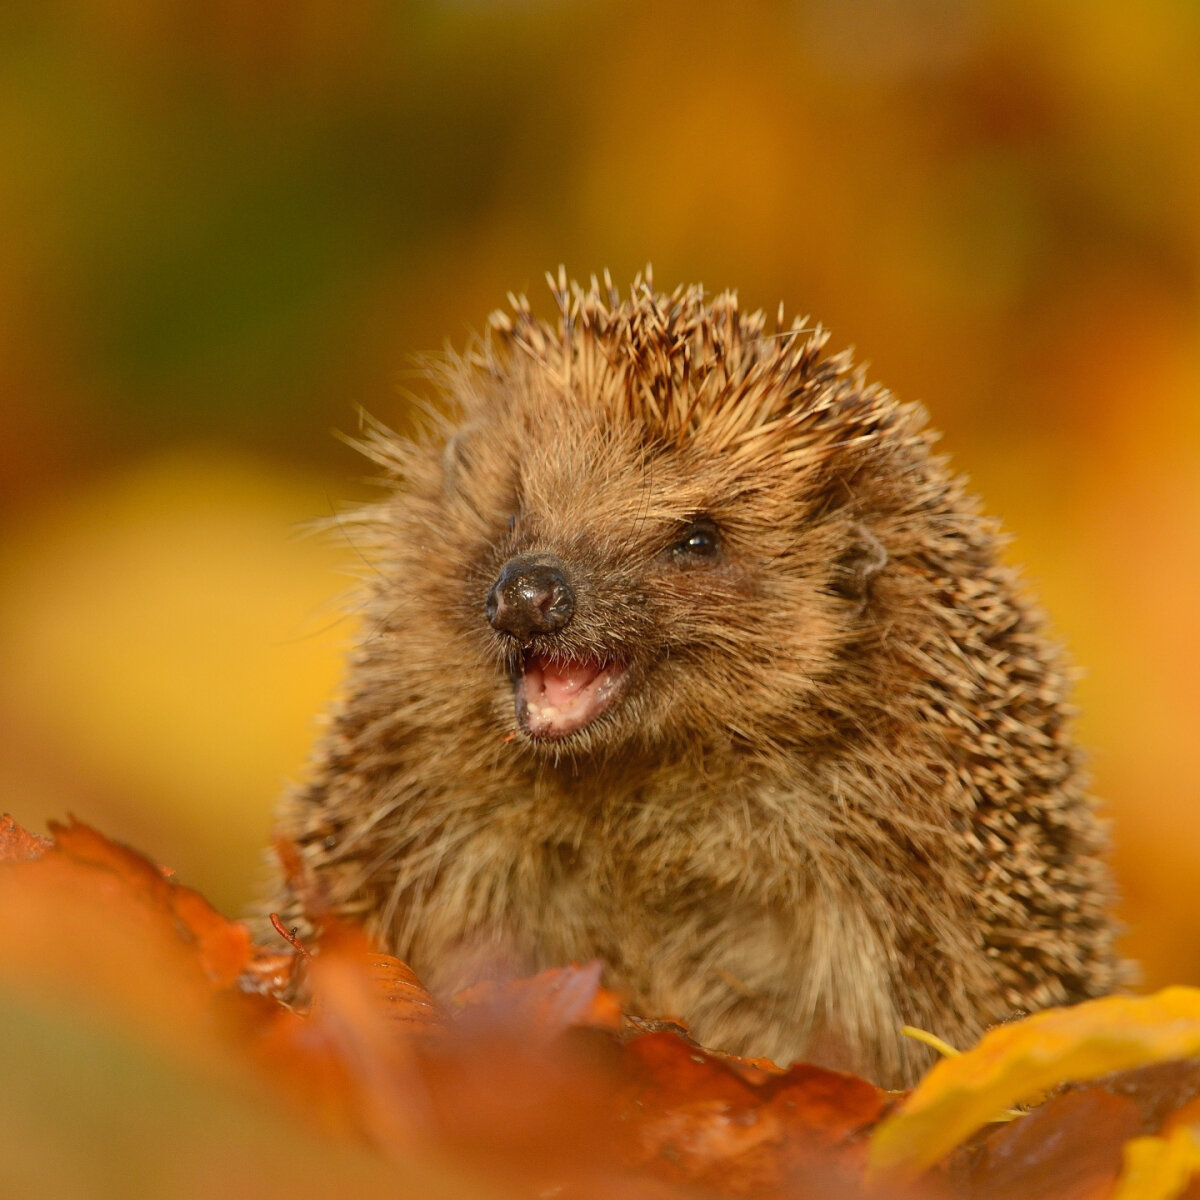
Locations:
column 531, row 595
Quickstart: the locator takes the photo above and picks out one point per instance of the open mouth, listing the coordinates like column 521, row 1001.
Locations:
column 556, row 698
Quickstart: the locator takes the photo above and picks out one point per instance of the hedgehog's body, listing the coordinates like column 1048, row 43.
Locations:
column 686, row 654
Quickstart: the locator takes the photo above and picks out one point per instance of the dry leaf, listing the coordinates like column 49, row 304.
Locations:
column 701, row 1120
column 1022, row 1060
column 541, row 1086
column 1160, row 1168
column 17, row 844
column 551, row 1001
column 1068, row 1149
column 407, row 1001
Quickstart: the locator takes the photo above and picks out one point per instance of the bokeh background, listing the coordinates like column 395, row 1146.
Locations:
column 226, row 226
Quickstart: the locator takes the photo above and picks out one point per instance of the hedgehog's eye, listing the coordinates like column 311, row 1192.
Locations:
column 699, row 540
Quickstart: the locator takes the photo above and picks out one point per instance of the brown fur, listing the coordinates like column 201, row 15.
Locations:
column 838, row 794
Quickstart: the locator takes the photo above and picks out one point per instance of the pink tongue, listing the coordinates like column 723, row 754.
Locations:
column 560, row 682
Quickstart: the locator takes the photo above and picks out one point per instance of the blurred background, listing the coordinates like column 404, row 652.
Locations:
column 227, row 226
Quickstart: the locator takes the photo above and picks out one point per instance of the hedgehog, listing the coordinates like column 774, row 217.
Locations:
column 681, row 650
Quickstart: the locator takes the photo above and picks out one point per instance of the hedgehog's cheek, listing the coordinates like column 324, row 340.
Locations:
column 555, row 699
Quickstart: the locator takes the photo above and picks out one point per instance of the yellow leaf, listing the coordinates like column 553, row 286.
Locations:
column 1019, row 1061
column 1159, row 1168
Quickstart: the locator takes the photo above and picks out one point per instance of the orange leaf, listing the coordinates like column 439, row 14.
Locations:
column 406, row 998
column 549, row 1002
column 701, row 1120
column 92, row 922
column 224, row 945
column 17, row 844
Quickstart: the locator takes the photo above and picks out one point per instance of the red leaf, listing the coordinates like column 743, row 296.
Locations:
column 702, row 1120
column 1069, row 1149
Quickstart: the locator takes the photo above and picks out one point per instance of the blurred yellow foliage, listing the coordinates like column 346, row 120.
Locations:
column 169, row 634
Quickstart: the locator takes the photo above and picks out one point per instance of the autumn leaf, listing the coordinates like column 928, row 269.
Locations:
column 407, row 1000
column 1021, row 1060
column 543, row 1086
column 1159, row 1168
column 1068, row 1147
column 17, row 844
column 91, row 916
column 700, row 1119
column 554, row 1000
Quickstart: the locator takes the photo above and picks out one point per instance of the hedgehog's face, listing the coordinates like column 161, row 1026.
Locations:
column 626, row 592
column 562, row 686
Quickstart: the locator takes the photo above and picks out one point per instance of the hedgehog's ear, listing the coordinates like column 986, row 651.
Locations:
column 863, row 558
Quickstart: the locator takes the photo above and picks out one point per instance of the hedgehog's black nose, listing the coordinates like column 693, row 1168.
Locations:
column 531, row 595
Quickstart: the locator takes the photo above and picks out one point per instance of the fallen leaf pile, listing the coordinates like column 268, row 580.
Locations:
column 148, row 1048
